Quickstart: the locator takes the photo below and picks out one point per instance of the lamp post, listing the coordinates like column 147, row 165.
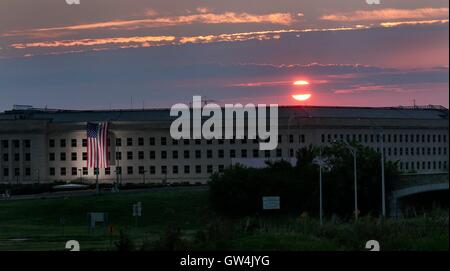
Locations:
column 383, row 182
column 321, row 162
column 353, row 151
column 81, row 176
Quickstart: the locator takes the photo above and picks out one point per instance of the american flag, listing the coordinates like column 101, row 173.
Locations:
column 97, row 147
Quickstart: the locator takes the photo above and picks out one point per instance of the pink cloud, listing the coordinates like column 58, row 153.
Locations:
column 388, row 14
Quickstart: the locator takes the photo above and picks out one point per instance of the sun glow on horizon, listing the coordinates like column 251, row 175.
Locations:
column 301, row 83
column 301, row 97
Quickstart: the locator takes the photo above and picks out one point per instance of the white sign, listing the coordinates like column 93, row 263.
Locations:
column 137, row 209
column 271, row 203
column 95, row 218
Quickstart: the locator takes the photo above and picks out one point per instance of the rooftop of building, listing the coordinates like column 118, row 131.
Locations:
column 429, row 112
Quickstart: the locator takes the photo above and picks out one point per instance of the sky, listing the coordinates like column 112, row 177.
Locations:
column 117, row 54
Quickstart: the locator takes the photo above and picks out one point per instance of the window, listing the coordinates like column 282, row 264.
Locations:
column 279, row 153
column 141, row 170
column 74, row 171
column 140, row 141
column 266, row 153
column 209, row 154
column 27, row 143
column 62, row 143
column 174, row 142
column 74, row 156
column 221, row 153
column 174, row 154
column 209, row 169
column 118, row 155
column 152, row 141
column 291, row 138
column 243, row 153
column 17, row 172
column 198, row 169
column 108, row 171
column 63, row 171
column 129, row 141
column 51, row 156
column 84, row 142
column 52, row 171
column 85, row 171
column 232, row 153
column 118, row 170
column 51, row 143
column 198, row 142
column 302, row 138
column 198, row 154
column 27, row 171
column 163, row 169
column 152, row 155
column 130, row 170
column 163, row 141
column 16, row 143
column 16, row 157
column 186, row 154
column 175, row 169
column 129, row 155
column 163, row 154
column 6, row 172
column 140, row 155
column 84, row 156
column 221, row 168
column 152, row 170
column 62, row 156
column 186, row 141
column 73, row 143
column 118, row 142
column 187, row 169
column 255, row 153
column 291, row 152
column 27, row 156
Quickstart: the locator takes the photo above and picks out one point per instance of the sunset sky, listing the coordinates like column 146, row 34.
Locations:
column 106, row 54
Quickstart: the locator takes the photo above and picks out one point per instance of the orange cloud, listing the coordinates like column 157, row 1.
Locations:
column 387, row 14
column 394, row 24
column 202, row 18
column 145, row 41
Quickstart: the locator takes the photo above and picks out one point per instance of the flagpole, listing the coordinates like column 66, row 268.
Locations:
column 96, row 173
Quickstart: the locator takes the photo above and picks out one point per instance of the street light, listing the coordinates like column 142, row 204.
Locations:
column 354, row 152
column 321, row 162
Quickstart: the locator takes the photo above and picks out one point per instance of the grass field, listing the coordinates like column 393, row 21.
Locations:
column 34, row 224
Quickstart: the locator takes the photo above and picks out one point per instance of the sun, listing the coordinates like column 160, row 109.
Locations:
column 301, row 83
column 301, row 97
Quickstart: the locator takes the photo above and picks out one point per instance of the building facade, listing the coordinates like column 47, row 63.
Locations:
column 40, row 145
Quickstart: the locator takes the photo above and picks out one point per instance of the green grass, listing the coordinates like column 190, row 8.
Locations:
column 38, row 220
column 35, row 225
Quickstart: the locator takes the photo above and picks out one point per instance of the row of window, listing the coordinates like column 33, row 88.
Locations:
column 405, row 166
column 164, row 141
column 16, row 157
column 198, row 169
column 141, row 170
column 389, row 138
column 364, row 138
column 244, row 153
column 27, row 172
column 16, row 143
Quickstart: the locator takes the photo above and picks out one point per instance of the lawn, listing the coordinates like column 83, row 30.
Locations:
column 34, row 224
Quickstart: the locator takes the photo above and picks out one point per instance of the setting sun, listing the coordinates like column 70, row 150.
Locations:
column 301, row 97
column 301, row 83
